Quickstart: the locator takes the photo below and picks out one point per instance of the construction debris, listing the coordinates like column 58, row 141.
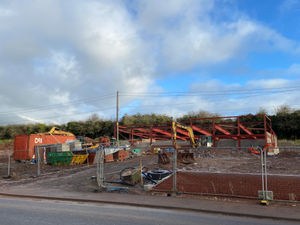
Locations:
column 158, row 174
column 130, row 176
column 163, row 158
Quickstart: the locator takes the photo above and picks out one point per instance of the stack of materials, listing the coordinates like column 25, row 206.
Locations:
column 69, row 153
column 121, row 155
column 75, row 145
column 64, row 147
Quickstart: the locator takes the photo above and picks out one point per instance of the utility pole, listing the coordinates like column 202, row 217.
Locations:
column 117, row 118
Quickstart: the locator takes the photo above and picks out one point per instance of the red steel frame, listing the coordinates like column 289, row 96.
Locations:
column 239, row 128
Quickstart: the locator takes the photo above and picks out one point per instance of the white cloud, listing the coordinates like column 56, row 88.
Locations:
column 30, row 119
column 225, row 99
column 59, row 52
column 55, row 52
column 288, row 5
column 213, row 86
column 269, row 83
column 188, row 36
column 294, row 69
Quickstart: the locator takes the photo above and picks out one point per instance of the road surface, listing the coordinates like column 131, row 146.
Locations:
column 42, row 212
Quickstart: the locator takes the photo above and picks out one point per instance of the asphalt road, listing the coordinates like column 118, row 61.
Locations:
column 34, row 212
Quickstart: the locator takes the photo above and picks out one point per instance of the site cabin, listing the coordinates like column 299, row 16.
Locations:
column 24, row 144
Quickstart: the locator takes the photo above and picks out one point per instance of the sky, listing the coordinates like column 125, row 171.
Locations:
column 62, row 61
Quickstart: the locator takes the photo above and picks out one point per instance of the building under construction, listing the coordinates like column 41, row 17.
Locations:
column 238, row 128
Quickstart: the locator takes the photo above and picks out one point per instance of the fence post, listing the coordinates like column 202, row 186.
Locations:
column 100, row 167
column 174, row 190
column 262, row 172
column 8, row 164
column 38, row 162
column 266, row 175
column 175, row 170
column 265, row 194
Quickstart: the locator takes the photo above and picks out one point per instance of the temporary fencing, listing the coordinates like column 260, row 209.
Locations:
column 220, row 171
column 236, row 172
column 114, row 175
column 43, row 162
column 46, row 160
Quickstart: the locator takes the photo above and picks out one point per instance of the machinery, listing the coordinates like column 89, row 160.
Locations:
column 184, row 155
column 57, row 131
column 175, row 127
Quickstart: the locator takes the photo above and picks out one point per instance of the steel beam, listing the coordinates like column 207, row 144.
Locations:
column 238, row 128
column 202, row 131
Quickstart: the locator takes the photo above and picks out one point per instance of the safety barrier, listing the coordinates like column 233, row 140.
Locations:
column 236, row 172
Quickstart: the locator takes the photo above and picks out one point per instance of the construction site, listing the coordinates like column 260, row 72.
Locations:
column 222, row 156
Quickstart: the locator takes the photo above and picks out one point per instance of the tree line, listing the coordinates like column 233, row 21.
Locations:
column 285, row 123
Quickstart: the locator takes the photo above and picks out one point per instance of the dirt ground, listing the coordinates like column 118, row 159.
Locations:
column 235, row 161
column 81, row 177
column 7, row 145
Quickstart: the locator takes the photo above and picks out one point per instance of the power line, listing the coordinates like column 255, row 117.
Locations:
column 222, row 92
column 246, row 92
column 141, row 108
column 239, row 90
column 219, row 111
column 59, row 117
column 213, row 100
column 213, row 97
column 47, row 107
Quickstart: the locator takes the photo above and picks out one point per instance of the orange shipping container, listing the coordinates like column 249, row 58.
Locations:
column 24, row 144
